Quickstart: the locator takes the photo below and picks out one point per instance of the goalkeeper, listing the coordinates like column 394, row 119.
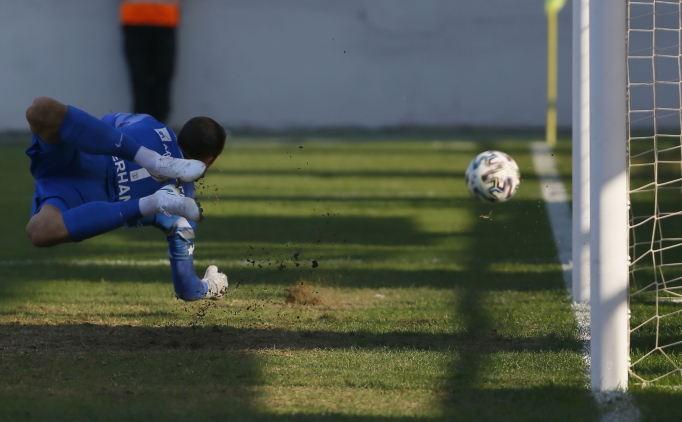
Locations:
column 93, row 176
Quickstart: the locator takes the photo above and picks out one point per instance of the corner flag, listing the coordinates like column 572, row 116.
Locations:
column 552, row 8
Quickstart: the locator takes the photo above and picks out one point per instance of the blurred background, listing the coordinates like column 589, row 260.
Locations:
column 272, row 64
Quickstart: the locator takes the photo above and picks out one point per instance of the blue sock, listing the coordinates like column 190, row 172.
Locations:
column 88, row 134
column 187, row 285
column 94, row 218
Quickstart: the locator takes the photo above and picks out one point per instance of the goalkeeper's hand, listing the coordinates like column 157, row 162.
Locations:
column 217, row 283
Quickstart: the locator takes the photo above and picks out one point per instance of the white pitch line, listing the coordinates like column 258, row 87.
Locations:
column 556, row 201
column 615, row 405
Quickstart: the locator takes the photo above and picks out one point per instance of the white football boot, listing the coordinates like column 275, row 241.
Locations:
column 217, row 283
column 167, row 168
column 172, row 202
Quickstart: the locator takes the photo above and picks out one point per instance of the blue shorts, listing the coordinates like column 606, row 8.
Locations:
column 65, row 177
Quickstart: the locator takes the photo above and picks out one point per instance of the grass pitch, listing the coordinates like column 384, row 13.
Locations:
column 365, row 284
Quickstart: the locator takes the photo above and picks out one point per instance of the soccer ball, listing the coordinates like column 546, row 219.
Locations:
column 492, row 176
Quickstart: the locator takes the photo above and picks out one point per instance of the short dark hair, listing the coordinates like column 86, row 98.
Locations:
column 201, row 137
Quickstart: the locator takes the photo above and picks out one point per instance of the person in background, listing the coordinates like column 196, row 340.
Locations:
column 149, row 43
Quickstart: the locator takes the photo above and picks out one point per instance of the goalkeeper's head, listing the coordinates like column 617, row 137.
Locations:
column 203, row 139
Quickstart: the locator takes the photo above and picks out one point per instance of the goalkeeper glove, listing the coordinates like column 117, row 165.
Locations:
column 217, row 283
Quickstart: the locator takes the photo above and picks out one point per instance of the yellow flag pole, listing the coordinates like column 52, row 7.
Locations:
column 552, row 24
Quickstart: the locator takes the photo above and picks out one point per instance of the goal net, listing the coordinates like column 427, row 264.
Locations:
column 654, row 123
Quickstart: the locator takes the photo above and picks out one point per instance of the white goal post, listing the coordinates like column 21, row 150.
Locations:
column 580, row 283
column 608, row 196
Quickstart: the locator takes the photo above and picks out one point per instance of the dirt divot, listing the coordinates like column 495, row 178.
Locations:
column 302, row 294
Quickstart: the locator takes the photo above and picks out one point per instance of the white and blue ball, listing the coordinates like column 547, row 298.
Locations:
column 493, row 176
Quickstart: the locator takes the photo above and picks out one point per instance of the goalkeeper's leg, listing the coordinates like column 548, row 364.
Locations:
column 54, row 122
column 51, row 226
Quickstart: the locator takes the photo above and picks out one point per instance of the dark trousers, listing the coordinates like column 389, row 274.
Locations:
column 150, row 53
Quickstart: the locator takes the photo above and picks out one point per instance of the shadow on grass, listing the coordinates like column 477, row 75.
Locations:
column 296, row 233
column 313, row 231
column 131, row 372
column 514, row 229
column 657, row 404
column 27, row 277
column 76, row 338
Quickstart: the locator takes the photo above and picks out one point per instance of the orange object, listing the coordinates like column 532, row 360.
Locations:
column 160, row 13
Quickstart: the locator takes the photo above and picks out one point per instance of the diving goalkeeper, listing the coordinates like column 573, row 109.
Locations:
column 93, row 176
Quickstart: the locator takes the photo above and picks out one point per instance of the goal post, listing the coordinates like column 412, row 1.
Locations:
column 580, row 283
column 609, row 327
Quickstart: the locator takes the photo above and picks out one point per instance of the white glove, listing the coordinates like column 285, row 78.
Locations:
column 217, row 283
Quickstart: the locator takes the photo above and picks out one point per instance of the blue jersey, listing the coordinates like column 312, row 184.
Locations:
column 127, row 179
column 66, row 178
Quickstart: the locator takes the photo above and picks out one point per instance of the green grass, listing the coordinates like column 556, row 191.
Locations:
column 426, row 304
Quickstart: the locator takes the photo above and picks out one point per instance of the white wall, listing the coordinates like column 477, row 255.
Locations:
column 288, row 63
